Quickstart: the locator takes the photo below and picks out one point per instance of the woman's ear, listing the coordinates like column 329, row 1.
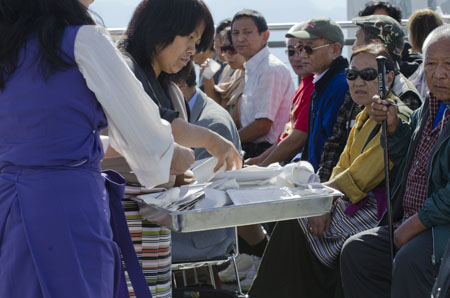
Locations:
column 390, row 79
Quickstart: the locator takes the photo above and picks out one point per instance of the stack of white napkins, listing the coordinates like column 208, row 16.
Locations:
column 248, row 185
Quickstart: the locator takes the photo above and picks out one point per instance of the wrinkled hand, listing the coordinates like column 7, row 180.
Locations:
column 319, row 225
column 182, row 159
column 408, row 230
column 385, row 109
column 252, row 161
column 226, row 153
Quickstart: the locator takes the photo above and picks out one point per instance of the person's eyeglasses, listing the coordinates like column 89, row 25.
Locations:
column 308, row 50
column 230, row 50
column 367, row 74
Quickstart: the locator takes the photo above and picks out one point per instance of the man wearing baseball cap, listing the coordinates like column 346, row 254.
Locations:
column 386, row 30
column 289, row 266
column 322, row 41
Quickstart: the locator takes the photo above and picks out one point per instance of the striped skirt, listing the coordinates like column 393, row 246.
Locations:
column 152, row 245
column 342, row 227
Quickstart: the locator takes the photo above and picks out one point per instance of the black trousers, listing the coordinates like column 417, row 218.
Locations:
column 254, row 149
column 289, row 269
column 367, row 270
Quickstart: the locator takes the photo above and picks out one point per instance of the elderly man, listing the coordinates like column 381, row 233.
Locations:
column 265, row 103
column 421, row 196
column 295, row 133
column 322, row 41
column 281, row 272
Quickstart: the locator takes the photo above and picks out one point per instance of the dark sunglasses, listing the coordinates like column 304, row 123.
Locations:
column 300, row 48
column 367, row 74
column 230, row 50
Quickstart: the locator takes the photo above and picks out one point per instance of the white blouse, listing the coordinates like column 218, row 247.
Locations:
column 135, row 128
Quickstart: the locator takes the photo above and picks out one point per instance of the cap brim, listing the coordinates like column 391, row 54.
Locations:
column 302, row 35
column 359, row 20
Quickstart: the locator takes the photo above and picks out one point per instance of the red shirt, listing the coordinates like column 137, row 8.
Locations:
column 416, row 183
column 298, row 118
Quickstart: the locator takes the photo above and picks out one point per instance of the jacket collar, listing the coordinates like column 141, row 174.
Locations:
column 198, row 106
column 336, row 66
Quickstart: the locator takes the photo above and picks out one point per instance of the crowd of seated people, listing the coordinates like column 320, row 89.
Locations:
column 332, row 121
column 247, row 113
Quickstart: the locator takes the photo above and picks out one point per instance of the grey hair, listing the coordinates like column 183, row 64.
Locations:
column 440, row 33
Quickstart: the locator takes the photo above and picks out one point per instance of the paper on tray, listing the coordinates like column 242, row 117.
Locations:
column 204, row 169
column 249, row 196
column 213, row 198
column 301, row 172
column 250, row 173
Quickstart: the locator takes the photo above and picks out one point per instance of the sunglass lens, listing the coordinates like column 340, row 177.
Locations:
column 368, row 74
column 230, row 50
column 350, row 74
column 308, row 50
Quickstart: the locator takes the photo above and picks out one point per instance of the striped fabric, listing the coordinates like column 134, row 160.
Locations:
column 342, row 226
column 152, row 245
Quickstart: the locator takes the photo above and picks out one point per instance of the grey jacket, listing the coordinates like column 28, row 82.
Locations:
column 207, row 245
column 207, row 113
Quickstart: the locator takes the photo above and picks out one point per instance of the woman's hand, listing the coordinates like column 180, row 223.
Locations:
column 225, row 152
column 408, row 230
column 184, row 179
column 319, row 225
column 182, row 159
column 385, row 109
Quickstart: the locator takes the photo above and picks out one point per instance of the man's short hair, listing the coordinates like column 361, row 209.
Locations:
column 191, row 79
column 393, row 11
column 257, row 18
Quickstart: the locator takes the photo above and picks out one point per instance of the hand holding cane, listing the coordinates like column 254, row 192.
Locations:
column 381, row 60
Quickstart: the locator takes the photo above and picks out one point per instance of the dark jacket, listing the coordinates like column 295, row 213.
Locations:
column 435, row 212
column 326, row 100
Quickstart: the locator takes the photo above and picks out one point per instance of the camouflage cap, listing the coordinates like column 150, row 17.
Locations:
column 388, row 30
column 319, row 28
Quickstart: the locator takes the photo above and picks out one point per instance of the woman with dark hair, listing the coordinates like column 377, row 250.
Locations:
column 228, row 91
column 311, row 246
column 162, row 37
column 61, row 82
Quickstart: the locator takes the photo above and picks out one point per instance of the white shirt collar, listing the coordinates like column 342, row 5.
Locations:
column 193, row 100
column 253, row 62
column 318, row 77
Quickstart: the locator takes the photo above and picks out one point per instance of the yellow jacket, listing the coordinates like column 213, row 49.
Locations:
column 361, row 166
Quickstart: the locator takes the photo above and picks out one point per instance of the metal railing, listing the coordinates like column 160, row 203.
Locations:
column 117, row 33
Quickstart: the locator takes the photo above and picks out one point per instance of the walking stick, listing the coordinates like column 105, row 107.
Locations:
column 381, row 60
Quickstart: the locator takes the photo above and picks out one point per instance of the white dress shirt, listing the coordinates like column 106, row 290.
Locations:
column 268, row 93
column 135, row 128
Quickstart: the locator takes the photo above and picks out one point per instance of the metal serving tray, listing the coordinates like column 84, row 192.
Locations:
column 237, row 215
